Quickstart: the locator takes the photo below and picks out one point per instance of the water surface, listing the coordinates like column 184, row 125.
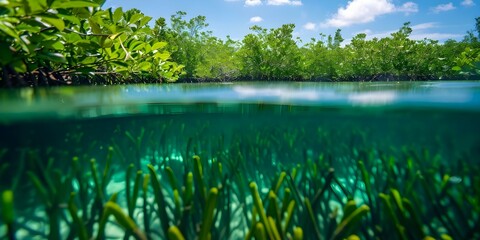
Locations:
column 88, row 102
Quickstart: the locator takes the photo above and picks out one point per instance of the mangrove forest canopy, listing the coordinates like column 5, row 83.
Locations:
column 58, row 42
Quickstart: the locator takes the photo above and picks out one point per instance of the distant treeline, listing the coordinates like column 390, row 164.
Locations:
column 57, row 42
column 274, row 54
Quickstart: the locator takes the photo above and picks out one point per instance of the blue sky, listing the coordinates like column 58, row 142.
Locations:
column 434, row 19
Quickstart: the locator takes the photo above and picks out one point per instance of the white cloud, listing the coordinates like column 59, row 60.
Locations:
column 408, row 7
column 360, row 11
column 310, row 26
column 420, row 32
column 366, row 31
column 435, row 36
column 423, row 26
column 284, row 2
column 443, row 7
column 379, row 35
column 256, row 19
column 253, row 2
column 364, row 11
column 419, row 35
column 468, row 3
column 270, row 2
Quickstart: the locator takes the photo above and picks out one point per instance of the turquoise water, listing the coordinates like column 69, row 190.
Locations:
column 416, row 140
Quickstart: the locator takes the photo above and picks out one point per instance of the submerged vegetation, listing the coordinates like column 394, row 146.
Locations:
column 52, row 42
column 197, row 181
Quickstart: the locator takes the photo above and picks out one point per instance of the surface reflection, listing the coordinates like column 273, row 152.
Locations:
column 133, row 99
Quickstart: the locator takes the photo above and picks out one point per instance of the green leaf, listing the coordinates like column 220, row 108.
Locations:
column 135, row 18
column 132, row 43
column 397, row 199
column 73, row 4
column 106, row 42
column 175, row 234
column 144, row 21
column 208, row 214
column 297, row 233
column 7, row 28
column 72, row 37
column 54, row 21
column 88, row 60
column 94, row 25
column 188, row 190
column 349, row 208
column 198, row 175
column 289, row 216
column 123, row 220
column 274, row 228
column 171, row 176
column 113, row 36
column 122, row 71
column 54, row 57
column 117, row 15
column 145, row 66
column 13, row 20
column 29, row 26
column 82, row 13
column 55, row 45
column 281, row 177
column 120, row 63
column 148, row 48
column 26, row 7
column 164, row 56
column 19, row 66
column 70, row 18
column 37, row 5
column 100, row 2
column 80, row 225
column 87, row 44
column 137, row 46
column 42, row 191
column 159, row 198
column 257, row 201
column 260, row 231
column 350, row 224
column 7, row 206
column 159, row 45
column 456, row 68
